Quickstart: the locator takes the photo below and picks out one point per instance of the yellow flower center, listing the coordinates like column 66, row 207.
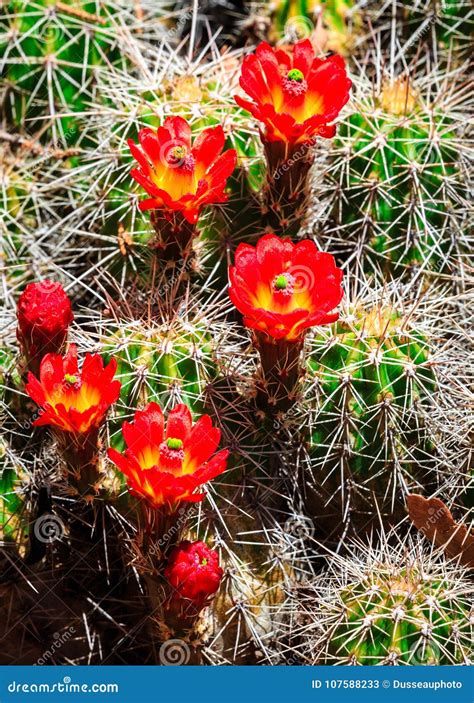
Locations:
column 177, row 154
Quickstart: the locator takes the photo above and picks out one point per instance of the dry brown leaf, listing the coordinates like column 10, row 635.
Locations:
column 434, row 520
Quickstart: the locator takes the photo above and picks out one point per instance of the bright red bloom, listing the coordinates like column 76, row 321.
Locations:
column 193, row 571
column 295, row 96
column 44, row 315
column 72, row 400
column 283, row 288
column 167, row 467
column 178, row 175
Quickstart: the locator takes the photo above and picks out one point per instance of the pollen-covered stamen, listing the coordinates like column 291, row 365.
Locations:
column 178, row 157
column 284, row 284
column 294, row 83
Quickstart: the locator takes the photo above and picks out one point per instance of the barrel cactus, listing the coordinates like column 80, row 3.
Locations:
column 397, row 190
column 333, row 22
column 53, row 54
column 391, row 605
column 371, row 372
column 165, row 363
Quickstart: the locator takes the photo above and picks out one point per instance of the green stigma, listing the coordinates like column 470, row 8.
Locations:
column 174, row 443
column 204, row 562
column 69, row 378
column 281, row 282
column 295, row 75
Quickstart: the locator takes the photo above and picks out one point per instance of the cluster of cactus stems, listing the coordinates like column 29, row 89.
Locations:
column 235, row 285
column 393, row 603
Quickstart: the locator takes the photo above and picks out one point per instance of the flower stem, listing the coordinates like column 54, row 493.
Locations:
column 174, row 237
column 278, row 387
column 80, row 455
column 286, row 190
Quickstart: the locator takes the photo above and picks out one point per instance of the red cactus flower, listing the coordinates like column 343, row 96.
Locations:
column 44, row 315
column 295, row 95
column 193, row 571
column 180, row 176
column 167, row 467
column 283, row 288
column 73, row 401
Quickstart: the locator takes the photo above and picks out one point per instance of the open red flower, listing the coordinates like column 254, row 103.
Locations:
column 180, row 176
column 44, row 315
column 193, row 571
column 283, row 288
column 295, row 95
column 72, row 400
column 166, row 467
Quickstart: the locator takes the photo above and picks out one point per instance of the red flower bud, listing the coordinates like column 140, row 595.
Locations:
column 44, row 315
column 193, row 571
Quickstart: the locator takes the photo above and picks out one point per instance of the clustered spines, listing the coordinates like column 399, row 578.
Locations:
column 442, row 26
column 204, row 99
column 394, row 604
column 368, row 442
column 53, row 57
column 399, row 188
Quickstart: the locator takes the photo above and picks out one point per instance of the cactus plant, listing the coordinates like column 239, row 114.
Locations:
column 398, row 195
column 392, row 604
column 444, row 26
column 331, row 24
column 371, row 372
column 205, row 99
column 53, row 54
column 168, row 363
